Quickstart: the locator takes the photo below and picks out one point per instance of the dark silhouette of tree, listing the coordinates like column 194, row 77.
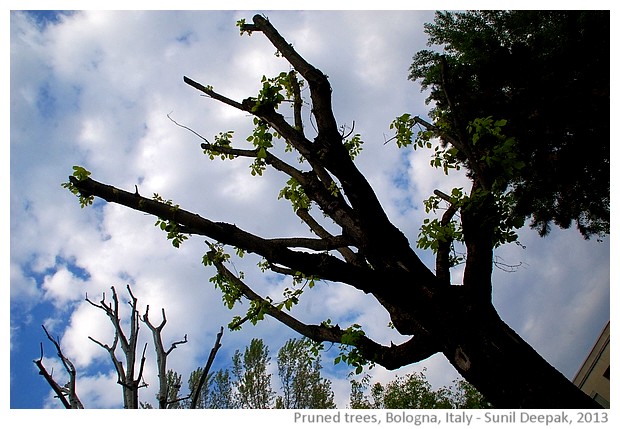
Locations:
column 548, row 74
column 368, row 252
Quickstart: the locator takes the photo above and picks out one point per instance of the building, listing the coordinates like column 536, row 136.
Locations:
column 593, row 376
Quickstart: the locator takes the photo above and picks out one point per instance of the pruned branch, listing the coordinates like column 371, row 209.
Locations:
column 209, row 91
column 162, row 355
column 205, row 372
column 69, row 389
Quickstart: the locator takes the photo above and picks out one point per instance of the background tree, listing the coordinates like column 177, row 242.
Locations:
column 547, row 74
column 172, row 390
column 252, row 380
column 300, row 374
column 413, row 391
column 367, row 251
column 169, row 382
column 218, row 392
column 129, row 375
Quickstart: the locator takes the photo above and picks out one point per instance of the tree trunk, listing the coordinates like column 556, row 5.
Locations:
column 504, row 368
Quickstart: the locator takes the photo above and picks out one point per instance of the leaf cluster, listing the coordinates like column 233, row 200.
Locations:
column 79, row 173
column 171, row 228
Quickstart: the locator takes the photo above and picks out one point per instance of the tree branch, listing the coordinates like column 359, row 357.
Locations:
column 209, row 91
column 69, row 389
column 125, row 376
column 320, row 89
column 442, row 260
column 348, row 255
column 322, row 265
column 395, row 356
column 161, row 354
column 205, row 372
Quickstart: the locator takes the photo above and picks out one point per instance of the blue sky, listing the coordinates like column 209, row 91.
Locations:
column 94, row 88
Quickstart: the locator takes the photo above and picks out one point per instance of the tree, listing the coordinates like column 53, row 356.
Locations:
column 218, row 393
column 368, row 253
column 129, row 377
column 300, row 375
column 547, row 74
column 413, row 391
column 252, row 381
column 169, row 381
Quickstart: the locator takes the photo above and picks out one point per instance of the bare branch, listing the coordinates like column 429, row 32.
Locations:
column 205, row 371
column 69, row 389
column 161, row 354
column 209, row 91
column 125, row 376
column 60, row 394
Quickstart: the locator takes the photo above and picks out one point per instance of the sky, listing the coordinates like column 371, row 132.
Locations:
column 95, row 89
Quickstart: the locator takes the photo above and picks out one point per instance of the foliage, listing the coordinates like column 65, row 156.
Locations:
column 414, row 391
column 252, row 381
column 174, row 382
column 216, row 393
column 300, row 375
column 80, row 173
column 527, row 68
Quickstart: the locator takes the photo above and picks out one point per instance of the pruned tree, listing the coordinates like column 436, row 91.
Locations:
column 66, row 393
column 129, row 375
column 369, row 253
column 164, row 395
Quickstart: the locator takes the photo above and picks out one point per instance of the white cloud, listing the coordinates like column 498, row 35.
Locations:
column 62, row 287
